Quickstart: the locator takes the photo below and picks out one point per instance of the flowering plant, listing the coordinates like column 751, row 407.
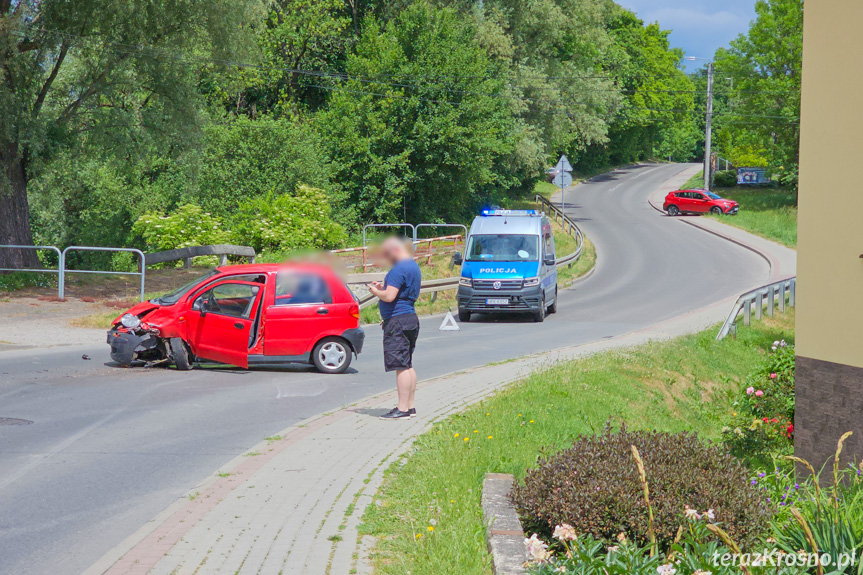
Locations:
column 694, row 552
column 762, row 422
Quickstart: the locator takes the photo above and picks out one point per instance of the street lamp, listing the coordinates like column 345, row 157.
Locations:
column 709, row 118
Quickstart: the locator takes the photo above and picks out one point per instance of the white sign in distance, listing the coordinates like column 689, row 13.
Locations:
column 563, row 179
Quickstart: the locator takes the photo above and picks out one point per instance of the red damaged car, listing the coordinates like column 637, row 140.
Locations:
column 245, row 315
column 698, row 202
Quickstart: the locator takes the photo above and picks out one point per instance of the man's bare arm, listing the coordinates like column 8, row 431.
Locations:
column 386, row 295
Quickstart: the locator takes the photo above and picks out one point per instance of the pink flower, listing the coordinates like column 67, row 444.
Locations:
column 772, row 376
column 759, row 393
column 750, row 390
column 537, row 549
column 564, row 532
column 691, row 513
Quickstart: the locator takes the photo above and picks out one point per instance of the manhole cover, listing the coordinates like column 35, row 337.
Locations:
column 14, row 421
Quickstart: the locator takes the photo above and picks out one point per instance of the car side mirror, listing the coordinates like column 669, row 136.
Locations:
column 457, row 259
column 200, row 305
column 549, row 260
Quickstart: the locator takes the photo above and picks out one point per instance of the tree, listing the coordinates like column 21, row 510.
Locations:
column 113, row 72
column 656, row 117
column 424, row 125
column 766, row 65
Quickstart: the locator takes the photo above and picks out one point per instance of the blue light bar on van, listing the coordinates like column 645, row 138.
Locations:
column 509, row 213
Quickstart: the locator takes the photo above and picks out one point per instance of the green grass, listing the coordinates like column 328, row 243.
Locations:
column 767, row 212
column 545, row 189
column 683, row 384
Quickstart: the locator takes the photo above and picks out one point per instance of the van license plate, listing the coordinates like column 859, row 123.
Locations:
column 497, row 301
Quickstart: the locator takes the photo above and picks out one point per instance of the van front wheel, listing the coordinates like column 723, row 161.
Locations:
column 539, row 315
column 553, row 307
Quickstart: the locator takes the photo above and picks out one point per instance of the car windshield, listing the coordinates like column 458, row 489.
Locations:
column 174, row 296
column 713, row 196
column 503, row 248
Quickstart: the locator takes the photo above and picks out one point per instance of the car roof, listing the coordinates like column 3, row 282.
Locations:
column 507, row 225
column 269, row 267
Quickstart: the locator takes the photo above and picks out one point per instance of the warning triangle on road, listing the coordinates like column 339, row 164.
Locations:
column 449, row 323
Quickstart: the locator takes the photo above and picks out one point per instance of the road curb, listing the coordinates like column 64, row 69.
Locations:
column 503, row 530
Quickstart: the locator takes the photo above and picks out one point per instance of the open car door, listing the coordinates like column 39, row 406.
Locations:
column 221, row 320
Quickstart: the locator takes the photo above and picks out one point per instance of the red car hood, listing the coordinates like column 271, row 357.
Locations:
column 141, row 310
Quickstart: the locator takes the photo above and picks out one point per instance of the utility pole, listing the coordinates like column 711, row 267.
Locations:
column 708, row 126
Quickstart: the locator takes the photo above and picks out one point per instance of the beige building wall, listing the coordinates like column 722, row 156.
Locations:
column 830, row 222
column 829, row 335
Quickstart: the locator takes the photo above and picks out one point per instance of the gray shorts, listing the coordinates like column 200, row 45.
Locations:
column 400, row 340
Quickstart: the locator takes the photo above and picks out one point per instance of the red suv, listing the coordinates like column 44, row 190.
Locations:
column 256, row 314
column 698, row 202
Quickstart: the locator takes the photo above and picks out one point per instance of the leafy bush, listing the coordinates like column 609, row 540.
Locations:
column 725, row 178
column 763, row 422
column 594, row 486
column 188, row 225
column 287, row 222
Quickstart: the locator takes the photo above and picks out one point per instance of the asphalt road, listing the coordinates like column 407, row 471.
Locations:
column 108, row 449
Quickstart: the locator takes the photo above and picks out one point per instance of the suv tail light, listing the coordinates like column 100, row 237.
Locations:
column 354, row 311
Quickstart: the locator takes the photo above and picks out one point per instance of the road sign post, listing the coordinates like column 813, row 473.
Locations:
column 563, row 179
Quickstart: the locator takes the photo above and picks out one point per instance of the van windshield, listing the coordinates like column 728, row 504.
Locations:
column 503, row 248
column 174, row 296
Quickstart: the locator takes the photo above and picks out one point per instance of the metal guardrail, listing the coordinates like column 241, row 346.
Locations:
column 186, row 254
column 752, row 303
column 558, row 214
column 428, row 286
column 61, row 270
column 399, row 225
column 418, row 226
column 64, row 271
column 47, row 271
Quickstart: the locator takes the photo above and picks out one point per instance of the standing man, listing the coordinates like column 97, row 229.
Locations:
column 398, row 293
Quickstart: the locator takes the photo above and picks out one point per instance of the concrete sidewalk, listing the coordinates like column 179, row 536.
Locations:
column 292, row 504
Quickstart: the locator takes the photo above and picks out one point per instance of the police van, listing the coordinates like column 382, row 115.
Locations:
column 508, row 265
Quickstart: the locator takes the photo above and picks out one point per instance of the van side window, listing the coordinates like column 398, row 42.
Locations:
column 296, row 289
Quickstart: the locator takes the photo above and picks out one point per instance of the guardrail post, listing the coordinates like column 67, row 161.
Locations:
column 61, row 280
column 187, row 263
column 771, row 300
column 792, row 288
column 782, row 297
column 759, row 305
column 747, row 312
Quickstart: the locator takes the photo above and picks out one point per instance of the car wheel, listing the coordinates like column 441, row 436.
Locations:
column 673, row 210
column 553, row 307
column 180, row 354
column 716, row 211
column 539, row 315
column 464, row 316
column 332, row 355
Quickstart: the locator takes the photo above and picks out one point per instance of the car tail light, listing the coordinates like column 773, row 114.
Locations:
column 354, row 311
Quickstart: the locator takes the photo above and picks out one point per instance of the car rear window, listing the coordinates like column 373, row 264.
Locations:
column 301, row 288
